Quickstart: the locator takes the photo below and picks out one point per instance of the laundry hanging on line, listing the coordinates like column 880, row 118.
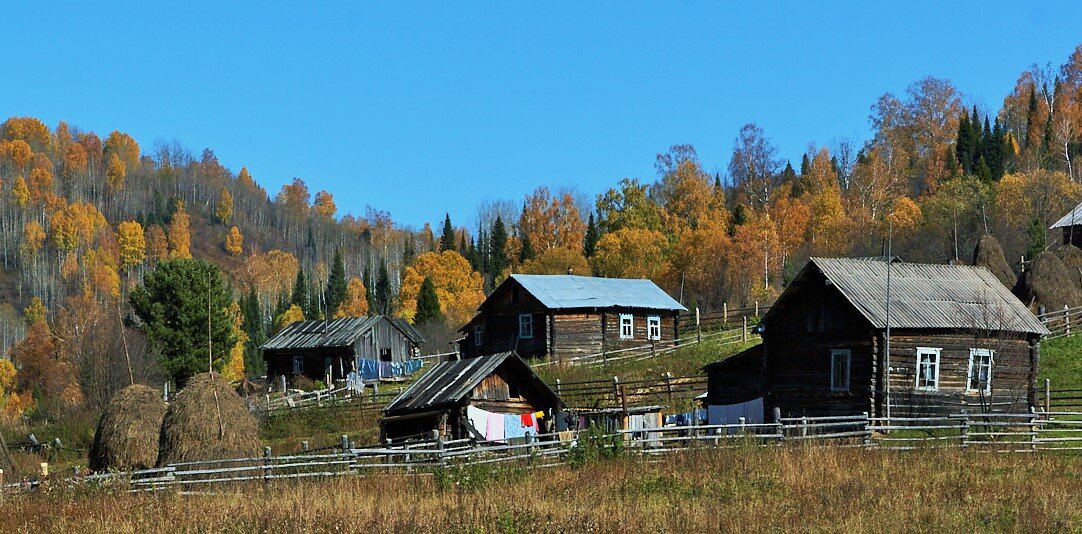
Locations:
column 374, row 370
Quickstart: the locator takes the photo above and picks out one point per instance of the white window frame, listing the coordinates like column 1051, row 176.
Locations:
column 628, row 320
column 938, row 353
column 848, row 354
column 973, row 358
column 478, row 335
column 298, row 365
column 653, row 328
column 525, row 326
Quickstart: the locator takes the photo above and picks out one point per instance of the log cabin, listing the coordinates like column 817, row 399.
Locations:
column 318, row 349
column 441, row 399
column 563, row 316
column 958, row 341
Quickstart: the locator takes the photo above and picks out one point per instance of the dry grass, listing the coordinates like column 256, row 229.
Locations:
column 756, row 490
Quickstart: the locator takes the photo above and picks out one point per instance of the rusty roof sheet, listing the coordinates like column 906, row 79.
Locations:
column 928, row 296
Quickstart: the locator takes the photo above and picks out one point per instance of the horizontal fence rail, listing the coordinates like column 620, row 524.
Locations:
column 1026, row 432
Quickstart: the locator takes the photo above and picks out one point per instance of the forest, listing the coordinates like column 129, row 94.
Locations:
column 95, row 229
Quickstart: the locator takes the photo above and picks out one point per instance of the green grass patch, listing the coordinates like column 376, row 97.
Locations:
column 1061, row 361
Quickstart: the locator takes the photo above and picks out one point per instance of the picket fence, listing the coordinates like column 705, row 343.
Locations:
column 1021, row 433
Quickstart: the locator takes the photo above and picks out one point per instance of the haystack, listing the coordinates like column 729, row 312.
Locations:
column 127, row 434
column 989, row 255
column 1047, row 282
column 207, row 421
column 1072, row 259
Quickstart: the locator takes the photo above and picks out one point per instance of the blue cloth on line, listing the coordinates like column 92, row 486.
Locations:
column 374, row 370
column 512, row 427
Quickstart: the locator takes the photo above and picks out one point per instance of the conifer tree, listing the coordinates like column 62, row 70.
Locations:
column 300, row 296
column 498, row 247
column 408, row 251
column 336, row 284
column 527, row 252
column 447, row 239
column 589, row 243
column 369, row 289
column 383, row 289
column 428, row 303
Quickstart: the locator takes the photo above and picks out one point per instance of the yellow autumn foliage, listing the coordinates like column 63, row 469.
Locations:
column 459, row 288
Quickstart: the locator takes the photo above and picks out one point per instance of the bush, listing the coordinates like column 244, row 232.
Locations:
column 593, row 445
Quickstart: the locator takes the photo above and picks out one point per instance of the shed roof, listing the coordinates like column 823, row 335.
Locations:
column 342, row 332
column 1073, row 217
column 924, row 296
column 565, row 291
column 447, row 383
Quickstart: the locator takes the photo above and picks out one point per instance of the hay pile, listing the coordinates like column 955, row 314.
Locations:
column 1072, row 259
column 989, row 255
column 199, row 427
column 127, row 433
column 1047, row 282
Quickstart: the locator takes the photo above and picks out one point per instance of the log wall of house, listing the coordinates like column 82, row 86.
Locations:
column 384, row 335
column 1010, row 374
column 611, row 321
column 576, row 334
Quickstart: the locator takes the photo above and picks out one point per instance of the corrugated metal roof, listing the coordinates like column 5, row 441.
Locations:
column 557, row 291
column 928, row 296
column 1072, row 218
column 448, row 382
column 341, row 332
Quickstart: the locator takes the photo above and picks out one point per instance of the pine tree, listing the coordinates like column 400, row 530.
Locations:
column 300, row 293
column 447, row 239
column 428, row 303
column 383, row 289
column 589, row 243
column 336, row 284
column 498, row 247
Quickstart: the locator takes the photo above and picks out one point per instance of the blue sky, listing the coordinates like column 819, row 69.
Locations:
column 421, row 109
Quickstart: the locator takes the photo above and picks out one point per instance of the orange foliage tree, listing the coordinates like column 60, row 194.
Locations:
column 631, row 253
column 459, row 288
column 356, row 303
column 132, row 244
column 234, row 242
column 180, row 238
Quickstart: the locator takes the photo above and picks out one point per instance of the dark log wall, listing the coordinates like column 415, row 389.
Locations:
column 576, row 334
column 736, row 379
column 639, row 339
column 494, row 394
column 281, row 362
column 1010, row 374
column 384, row 336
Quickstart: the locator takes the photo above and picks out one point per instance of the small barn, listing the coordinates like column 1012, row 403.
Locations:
column 562, row 316
column 489, row 398
column 1071, row 225
column 959, row 340
column 335, row 348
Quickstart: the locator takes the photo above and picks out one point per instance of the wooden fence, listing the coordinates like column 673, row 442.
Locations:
column 1027, row 432
column 1062, row 323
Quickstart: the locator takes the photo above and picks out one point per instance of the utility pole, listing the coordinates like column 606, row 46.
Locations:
column 886, row 348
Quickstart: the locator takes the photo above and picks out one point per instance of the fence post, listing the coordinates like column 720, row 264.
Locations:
column 266, row 464
column 1067, row 319
column 804, row 426
column 668, row 384
column 616, row 388
column 698, row 327
column 439, row 446
column 724, row 314
column 558, row 392
column 1033, row 428
column 965, row 431
column 1048, row 395
column 756, row 308
column 743, row 425
column 623, row 398
column 868, row 433
column 304, row 446
column 344, row 443
column 744, row 330
column 777, row 421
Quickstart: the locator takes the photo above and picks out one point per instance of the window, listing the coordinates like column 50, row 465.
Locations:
column 928, row 368
column 840, row 361
column 653, row 328
column 385, row 355
column 298, row 365
column 525, row 326
column 627, row 326
column 478, row 335
column 980, row 370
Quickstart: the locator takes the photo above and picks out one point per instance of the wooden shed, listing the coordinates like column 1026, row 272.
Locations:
column 562, row 316
column 316, row 349
column 1071, row 225
column 454, row 395
column 958, row 340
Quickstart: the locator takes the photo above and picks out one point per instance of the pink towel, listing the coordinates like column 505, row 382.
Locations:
column 494, row 428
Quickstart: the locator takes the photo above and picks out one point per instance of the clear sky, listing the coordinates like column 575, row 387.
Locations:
column 419, row 109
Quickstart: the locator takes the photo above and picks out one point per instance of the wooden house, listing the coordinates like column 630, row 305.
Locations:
column 1071, row 225
column 450, row 395
column 562, row 316
column 958, row 340
column 318, row 349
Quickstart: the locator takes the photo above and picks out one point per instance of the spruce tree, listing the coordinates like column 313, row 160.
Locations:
column 527, row 252
column 447, row 239
column 300, row 295
column 498, row 247
column 369, row 289
column 983, row 171
column 257, row 334
column 428, row 303
column 383, row 289
column 805, row 166
column 589, row 243
column 1036, row 238
column 336, row 285
column 962, row 143
column 408, row 251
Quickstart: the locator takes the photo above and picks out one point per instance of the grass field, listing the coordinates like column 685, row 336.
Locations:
column 1061, row 361
column 746, row 490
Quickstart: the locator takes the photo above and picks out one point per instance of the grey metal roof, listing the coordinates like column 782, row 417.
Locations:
column 1072, row 218
column 557, row 291
column 927, row 296
column 446, row 383
column 342, row 332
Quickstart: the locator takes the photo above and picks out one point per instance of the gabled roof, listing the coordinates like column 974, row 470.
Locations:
column 447, row 383
column 1072, row 218
column 922, row 296
column 342, row 332
column 565, row 291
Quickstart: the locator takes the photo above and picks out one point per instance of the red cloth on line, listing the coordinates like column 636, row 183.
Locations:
column 527, row 420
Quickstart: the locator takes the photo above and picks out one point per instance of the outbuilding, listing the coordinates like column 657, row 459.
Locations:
column 563, row 316
column 375, row 345
column 496, row 397
column 958, row 341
